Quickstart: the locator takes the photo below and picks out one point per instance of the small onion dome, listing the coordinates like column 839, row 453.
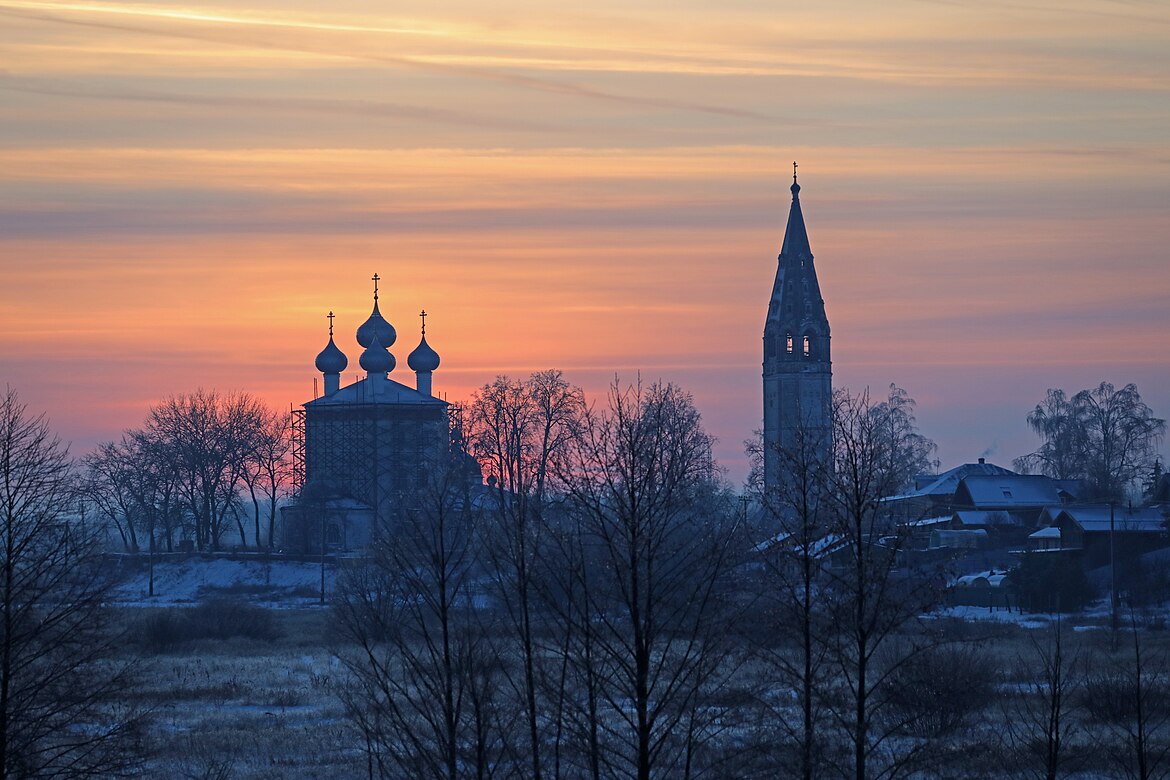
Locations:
column 331, row 360
column 376, row 325
column 423, row 358
column 376, row 360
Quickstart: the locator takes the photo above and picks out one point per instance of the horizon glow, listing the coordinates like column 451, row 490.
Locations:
column 187, row 189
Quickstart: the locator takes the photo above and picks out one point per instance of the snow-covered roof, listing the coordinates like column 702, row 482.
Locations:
column 379, row 391
column 767, row 543
column 1051, row 532
column 1095, row 518
column 817, row 549
column 945, row 484
column 1015, row 490
column 929, row 521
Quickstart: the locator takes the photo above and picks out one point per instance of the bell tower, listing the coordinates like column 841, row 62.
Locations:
column 798, row 374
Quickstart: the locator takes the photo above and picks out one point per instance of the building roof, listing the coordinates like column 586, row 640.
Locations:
column 379, row 391
column 1094, row 518
column 1007, row 491
column 945, row 484
column 942, row 487
column 795, row 235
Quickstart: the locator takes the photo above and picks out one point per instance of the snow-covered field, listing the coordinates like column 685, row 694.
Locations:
column 279, row 584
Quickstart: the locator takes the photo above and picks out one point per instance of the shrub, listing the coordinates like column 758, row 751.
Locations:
column 1051, row 582
column 219, row 619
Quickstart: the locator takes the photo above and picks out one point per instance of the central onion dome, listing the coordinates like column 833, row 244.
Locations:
column 376, row 360
column 331, row 360
column 376, row 325
column 423, row 358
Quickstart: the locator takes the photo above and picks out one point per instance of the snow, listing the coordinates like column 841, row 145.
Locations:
column 271, row 583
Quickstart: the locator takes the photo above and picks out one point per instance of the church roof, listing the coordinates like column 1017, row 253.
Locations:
column 379, row 391
column 795, row 235
column 796, row 307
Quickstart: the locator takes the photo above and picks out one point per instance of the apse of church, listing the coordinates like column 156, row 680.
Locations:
column 368, row 447
column 797, row 367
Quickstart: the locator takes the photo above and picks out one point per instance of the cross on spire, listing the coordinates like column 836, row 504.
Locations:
column 375, row 279
column 794, row 171
column 423, row 315
column 329, row 316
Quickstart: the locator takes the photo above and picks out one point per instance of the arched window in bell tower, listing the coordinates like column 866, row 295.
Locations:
column 789, row 343
column 807, row 346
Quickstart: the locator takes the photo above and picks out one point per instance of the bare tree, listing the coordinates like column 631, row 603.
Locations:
column 424, row 678
column 1132, row 699
column 1103, row 435
column 905, row 453
column 793, row 525
column 268, row 471
column 209, row 441
column 871, row 597
column 1039, row 722
column 135, row 490
column 519, row 431
column 57, row 679
column 113, row 486
column 644, row 490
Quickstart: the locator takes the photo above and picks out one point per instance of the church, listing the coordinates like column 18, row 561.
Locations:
column 366, row 450
column 798, row 374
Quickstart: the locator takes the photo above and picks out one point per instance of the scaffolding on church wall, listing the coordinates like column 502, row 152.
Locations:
column 297, row 428
column 455, row 426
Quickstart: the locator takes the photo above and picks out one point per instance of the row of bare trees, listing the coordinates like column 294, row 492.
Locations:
column 840, row 605
column 202, row 465
column 573, row 620
column 605, row 609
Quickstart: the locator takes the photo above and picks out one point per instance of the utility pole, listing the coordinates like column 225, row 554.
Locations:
column 1112, row 578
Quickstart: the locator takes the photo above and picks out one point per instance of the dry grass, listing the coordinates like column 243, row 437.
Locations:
column 249, row 709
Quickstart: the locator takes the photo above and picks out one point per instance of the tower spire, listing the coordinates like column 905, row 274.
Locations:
column 795, row 234
column 797, row 365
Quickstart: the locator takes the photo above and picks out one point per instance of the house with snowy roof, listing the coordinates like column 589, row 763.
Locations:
column 1090, row 530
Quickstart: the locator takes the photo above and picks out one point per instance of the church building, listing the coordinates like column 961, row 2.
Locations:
column 368, row 447
column 798, row 375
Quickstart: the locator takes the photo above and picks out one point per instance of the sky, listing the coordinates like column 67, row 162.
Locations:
column 186, row 189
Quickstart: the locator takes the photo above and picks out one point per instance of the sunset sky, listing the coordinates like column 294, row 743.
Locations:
column 186, row 189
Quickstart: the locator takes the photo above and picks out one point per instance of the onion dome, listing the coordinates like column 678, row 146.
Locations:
column 331, row 360
column 376, row 324
column 423, row 358
column 376, row 360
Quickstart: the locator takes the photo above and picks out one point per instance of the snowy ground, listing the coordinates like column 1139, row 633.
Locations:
column 279, row 584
